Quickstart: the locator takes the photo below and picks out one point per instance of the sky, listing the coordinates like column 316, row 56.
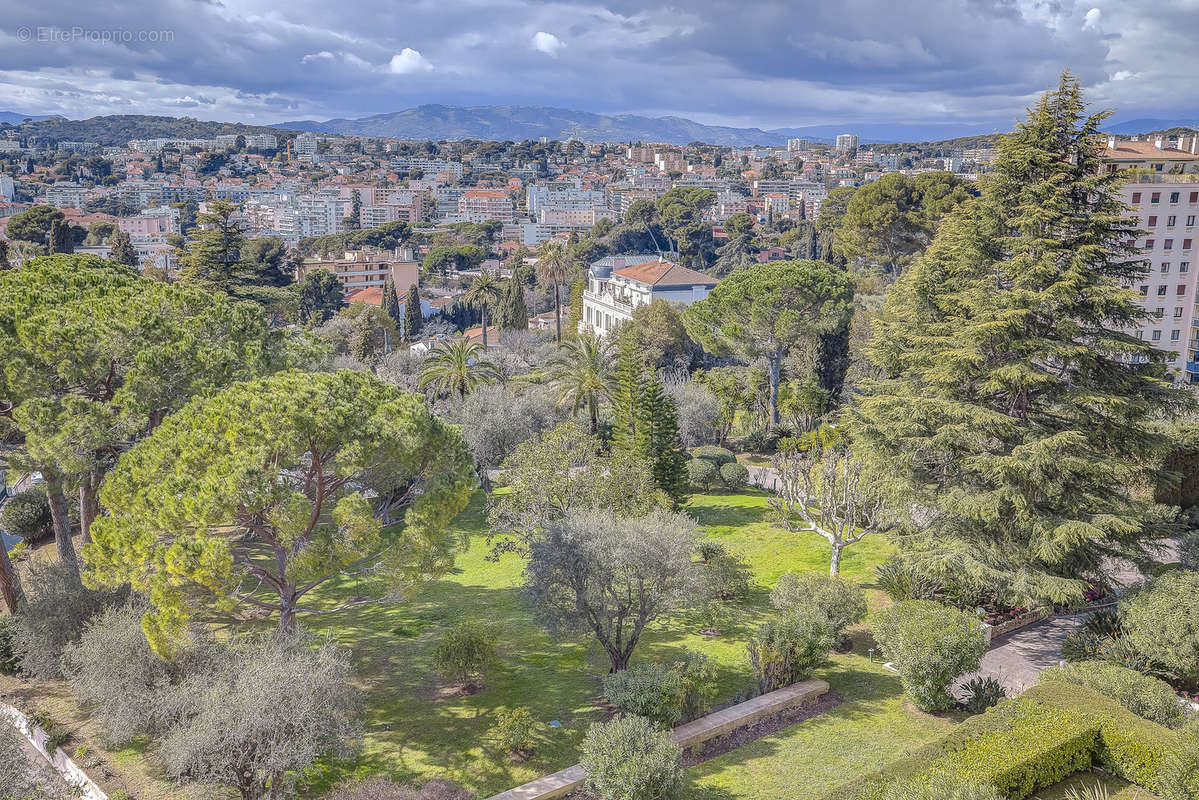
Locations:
column 763, row 63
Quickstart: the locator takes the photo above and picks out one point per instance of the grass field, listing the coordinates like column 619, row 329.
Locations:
column 417, row 728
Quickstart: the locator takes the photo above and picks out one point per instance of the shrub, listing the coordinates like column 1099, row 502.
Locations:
column 27, row 514
column 942, row 787
column 982, row 693
column 1180, row 776
column 701, row 473
column 699, row 685
column 930, row 645
column 1163, row 623
column 712, row 615
column 708, row 549
column 465, row 652
column 55, row 611
column 652, row 691
column 787, row 650
column 10, row 655
column 513, row 730
column 902, row 582
column 20, row 551
column 717, row 455
column 726, row 577
column 734, row 475
column 844, row 603
column 630, row 758
column 1148, row 698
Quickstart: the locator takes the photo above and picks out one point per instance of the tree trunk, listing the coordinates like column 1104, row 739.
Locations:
column 287, row 613
column 483, row 310
column 557, row 312
column 10, row 584
column 593, row 408
column 772, row 367
column 834, row 565
column 89, row 505
column 58, row 513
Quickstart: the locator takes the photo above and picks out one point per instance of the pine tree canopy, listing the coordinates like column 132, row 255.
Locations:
column 1017, row 413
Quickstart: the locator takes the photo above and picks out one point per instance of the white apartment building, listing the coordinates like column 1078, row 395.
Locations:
column 798, row 145
column 847, row 142
column 304, row 145
column 262, row 141
column 1164, row 197
column 66, row 195
column 618, row 284
column 7, row 188
column 365, row 269
column 482, row 205
column 539, row 196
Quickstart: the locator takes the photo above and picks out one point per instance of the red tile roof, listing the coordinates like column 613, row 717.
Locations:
column 665, row 273
column 372, row 296
column 1146, row 150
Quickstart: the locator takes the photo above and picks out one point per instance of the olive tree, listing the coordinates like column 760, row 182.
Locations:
column 596, row 572
column 306, row 468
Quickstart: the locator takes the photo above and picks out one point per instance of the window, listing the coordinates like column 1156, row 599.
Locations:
column 1174, row 197
column 1174, row 335
column 1144, row 291
column 1159, row 312
column 1165, row 267
column 1184, row 267
column 1136, row 197
column 1186, row 244
column 1170, row 220
column 1152, row 222
column 1168, row 244
column 1194, row 197
column 1161, row 290
column 1190, row 221
column 1156, row 197
column 1182, row 289
column 1156, row 336
column 1140, row 334
column 1149, row 244
column 1177, row 312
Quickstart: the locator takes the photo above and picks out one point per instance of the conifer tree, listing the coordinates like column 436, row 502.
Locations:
column 1017, row 410
column 60, row 239
column 414, row 319
column 657, row 438
column 391, row 302
column 122, row 252
column 626, row 392
column 513, row 314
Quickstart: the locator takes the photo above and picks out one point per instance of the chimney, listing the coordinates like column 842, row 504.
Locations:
column 1158, row 142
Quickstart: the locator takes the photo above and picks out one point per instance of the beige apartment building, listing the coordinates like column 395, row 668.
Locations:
column 365, row 269
column 1163, row 193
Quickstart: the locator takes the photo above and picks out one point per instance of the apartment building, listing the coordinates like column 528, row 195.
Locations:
column 482, row 205
column 616, row 285
column 66, row 195
column 1163, row 193
column 364, row 269
column 847, row 142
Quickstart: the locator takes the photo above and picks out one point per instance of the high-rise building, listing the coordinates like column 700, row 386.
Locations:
column 847, row 142
column 798, row 145
column 1163, row 197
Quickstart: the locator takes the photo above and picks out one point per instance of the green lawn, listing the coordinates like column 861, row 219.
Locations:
column 416, row 728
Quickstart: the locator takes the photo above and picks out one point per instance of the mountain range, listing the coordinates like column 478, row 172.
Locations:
column 517, row 123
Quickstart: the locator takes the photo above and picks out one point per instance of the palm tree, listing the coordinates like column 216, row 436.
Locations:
column 554, row 267
column 483, row 294
column 580, row 373
column 455, row 367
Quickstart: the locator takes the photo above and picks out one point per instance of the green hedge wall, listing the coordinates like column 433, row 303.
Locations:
column 1035, row 740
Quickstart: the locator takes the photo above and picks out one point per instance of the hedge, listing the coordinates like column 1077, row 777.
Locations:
column 1038, row 739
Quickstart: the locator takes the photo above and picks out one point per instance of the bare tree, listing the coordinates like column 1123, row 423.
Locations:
column 830, row 494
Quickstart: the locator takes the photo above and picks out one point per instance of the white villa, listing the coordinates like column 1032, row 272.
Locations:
column 618, row 284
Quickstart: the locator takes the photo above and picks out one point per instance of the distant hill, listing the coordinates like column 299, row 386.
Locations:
column 517, row 123
column 15, row 118
column 117, row 130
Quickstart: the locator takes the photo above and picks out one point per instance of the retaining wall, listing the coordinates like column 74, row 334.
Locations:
column 718, row 723
column 65, row 767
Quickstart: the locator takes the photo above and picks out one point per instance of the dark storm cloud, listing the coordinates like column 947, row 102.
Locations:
column 770, row 63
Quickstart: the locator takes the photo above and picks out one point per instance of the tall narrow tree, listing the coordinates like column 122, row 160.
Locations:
column 1018, row 409
column 554, row 267
column 579, row 373
column 391, row 302
column 121, row 247
column 414, row 319
column 484, row 294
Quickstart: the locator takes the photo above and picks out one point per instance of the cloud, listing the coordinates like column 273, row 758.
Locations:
column 547, row 43
column 408, row 61
column 786, row 65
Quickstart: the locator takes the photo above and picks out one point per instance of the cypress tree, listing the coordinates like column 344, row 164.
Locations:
column 414, row 320
column 60, row 238
column 832, row 361
column 391, row 302
column 513, row 314
column 1018, row 413
column 121, row 247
